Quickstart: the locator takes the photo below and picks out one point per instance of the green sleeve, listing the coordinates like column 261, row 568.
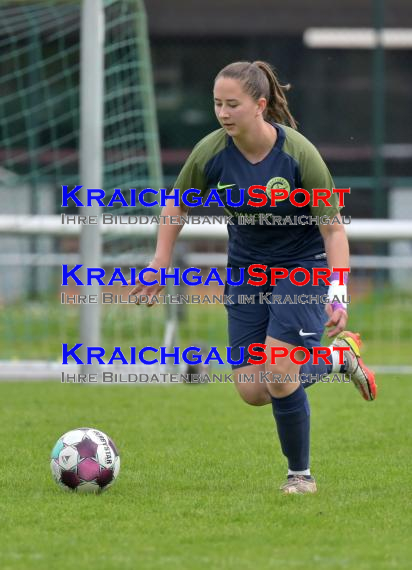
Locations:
column 315, row 174
column 313, row 171
column 193, row 174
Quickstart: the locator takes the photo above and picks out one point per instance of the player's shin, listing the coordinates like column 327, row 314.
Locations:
column 290, row 407
column 292, row 416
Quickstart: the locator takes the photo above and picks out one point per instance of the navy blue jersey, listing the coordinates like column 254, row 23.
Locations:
column 293, row 162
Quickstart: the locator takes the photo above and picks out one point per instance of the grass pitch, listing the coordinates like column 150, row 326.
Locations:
column 199, row 478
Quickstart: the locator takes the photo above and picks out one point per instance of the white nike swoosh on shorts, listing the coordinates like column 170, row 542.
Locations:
column 301, row 333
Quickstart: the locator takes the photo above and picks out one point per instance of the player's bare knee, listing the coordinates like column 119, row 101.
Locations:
column 279, row 371
column 280, row 390
column 250, row 387
column 281, row 379
column 254, row 399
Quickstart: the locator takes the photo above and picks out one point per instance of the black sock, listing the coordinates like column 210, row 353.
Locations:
column 292, row 415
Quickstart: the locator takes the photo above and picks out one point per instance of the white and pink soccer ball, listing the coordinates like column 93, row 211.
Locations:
column 85, row 460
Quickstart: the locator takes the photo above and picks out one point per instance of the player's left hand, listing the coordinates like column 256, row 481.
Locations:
column 337, row 320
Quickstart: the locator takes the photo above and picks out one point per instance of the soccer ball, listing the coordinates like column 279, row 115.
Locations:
column 85, row 460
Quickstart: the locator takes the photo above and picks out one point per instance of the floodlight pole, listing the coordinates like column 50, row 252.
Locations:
column 378, row 121
column 91, row 160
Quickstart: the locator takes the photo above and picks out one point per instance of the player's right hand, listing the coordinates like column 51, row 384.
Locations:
column 338, row 319
column 140, row 290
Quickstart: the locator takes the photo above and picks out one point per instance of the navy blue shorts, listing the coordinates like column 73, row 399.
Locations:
column 300, row 324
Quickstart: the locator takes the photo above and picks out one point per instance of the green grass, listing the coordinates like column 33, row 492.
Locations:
column 199, row 477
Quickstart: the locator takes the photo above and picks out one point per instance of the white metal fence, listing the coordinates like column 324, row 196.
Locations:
column 381, row 310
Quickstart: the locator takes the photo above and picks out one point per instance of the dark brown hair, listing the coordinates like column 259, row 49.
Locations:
column 259, row 80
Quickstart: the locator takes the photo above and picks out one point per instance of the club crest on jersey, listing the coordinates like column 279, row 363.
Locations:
column 280, row 183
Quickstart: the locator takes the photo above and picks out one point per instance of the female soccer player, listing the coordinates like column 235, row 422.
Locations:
column 254, row 146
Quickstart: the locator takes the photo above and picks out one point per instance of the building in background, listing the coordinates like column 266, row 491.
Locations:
column 332, row 88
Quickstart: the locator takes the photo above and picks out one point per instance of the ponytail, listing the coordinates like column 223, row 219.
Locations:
column 277, row 106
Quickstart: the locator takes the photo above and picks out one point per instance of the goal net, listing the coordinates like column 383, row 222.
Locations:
column 40, row 54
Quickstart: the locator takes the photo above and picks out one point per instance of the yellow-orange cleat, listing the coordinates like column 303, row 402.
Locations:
column 361, row 375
